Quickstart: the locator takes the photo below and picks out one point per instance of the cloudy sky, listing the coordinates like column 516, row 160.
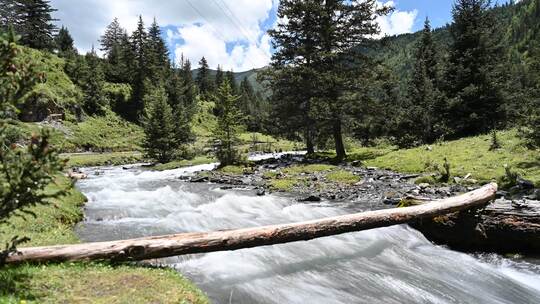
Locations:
column 227, row 32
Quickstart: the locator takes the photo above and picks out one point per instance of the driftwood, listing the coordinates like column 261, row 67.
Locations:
column 189, row 243
column 503, row 227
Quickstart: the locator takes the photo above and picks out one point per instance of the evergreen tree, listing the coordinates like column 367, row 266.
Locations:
column 35, row 24
column 475, row 104
column 160, row 142
column 64, row 43
column 94, row 99
column 119, row 61
column 220, row 77
column 228, row 126
column 138, row 46
column 232, row 81
column 203, row 78
column 421, row 120
column 8, row 14
column 24, row 172
column 320, row 38
column 112, row 37
column 157, row 55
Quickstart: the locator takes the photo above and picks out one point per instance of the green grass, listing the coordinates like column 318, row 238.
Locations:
column 101, row 159
column 82, row 282
column 467, row 155
column 284, row 184
column 342, row 176
column 235, row 170
column 298, row 169
column 199, row 160
column 109, row 133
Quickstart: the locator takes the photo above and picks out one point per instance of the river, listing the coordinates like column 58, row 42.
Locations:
column 387, row 265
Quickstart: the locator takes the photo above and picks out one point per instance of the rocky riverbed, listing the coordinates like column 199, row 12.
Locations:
column 510, row 224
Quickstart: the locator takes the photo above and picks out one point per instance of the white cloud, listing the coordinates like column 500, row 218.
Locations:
column 397, row 22
column 206, row 27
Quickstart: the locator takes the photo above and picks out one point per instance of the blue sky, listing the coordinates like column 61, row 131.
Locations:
column 231, row 33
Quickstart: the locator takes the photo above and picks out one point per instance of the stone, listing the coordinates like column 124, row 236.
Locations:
column 311, row 198
column 261, row 192
column 423, row 185
column 525, row 184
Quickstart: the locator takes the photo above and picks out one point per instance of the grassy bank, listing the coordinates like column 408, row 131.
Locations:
column 102, row 159
column 88, row 282
column 466, row 156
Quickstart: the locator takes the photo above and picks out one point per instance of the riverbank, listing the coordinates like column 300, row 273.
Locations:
column 83, row 282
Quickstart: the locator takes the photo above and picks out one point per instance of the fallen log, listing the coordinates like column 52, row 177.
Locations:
column 503, row 227
column 189, row 243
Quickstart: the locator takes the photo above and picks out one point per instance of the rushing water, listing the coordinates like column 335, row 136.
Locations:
column 388, row 265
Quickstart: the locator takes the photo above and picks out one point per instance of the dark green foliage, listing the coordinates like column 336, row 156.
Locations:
column 157, row 55
column 140, row 70
column 421, row 120
column 220, row 76
column 253, row 106
column 94, row 99
column 320, row 40
column 495, row 144
column 34, row 23
column 229, row 125
column 203, row 80
column 160, row 142
column 24, row 172
column 475, row 101
column 64, row 43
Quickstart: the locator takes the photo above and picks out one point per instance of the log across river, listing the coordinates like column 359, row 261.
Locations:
column 188, row 243
column 395, row 264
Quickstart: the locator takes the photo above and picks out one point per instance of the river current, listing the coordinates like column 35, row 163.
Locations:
column 388, row 265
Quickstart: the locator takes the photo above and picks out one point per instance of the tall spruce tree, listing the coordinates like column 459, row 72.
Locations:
column 158, row 61
column 228, row 126
column 64, row 43
column 112, row 37
column 229, row 75
column 160, row 142
column 329, row 33
column 92, row 84
column 220, row 76
column 421, row 119
column 203, row 78
column 35, row 24
column 138, row 40
column 475, row 104
column 292, row 71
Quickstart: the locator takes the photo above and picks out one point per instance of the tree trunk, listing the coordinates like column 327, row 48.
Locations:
column 338, row 138
column 309, row 141
column 501, row 227
column 190, row 243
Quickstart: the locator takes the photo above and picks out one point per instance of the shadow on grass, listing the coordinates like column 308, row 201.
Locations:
column 15, row 283
column 529, row 164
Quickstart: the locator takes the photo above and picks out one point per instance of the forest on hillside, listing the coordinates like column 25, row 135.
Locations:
column 476, row 75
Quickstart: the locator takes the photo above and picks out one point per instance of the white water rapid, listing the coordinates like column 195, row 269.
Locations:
column 389, row 265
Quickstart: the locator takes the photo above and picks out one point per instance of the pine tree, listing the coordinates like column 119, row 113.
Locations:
column 320, row 39
column 94, row 99
column 160, row 142
column 140, row 69
column 232, row 81
column 157, row 55
column 475, row 104
column 220, row 77
column 64, row 43
column 228, row 126
column 8, row 15
column 24, row 172
column 36, row 25
column 423, row 112
column 203, row 78
column 112, row 37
